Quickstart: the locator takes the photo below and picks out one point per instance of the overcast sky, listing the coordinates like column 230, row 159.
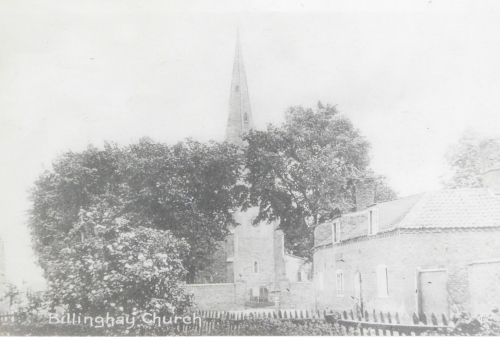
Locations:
column 412, row 76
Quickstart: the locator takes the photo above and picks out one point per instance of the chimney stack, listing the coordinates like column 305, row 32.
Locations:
column 490, row 164
column 365, row 193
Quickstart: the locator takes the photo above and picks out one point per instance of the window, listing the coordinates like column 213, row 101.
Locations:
column 245, row 118
column 372, row 222
column 340, row 283
column 383, row 281
column 336, row 232
column 256, row 267
column 299, row 276
column 237, row 88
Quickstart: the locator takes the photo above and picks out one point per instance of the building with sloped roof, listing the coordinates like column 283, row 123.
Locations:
column 434, row 252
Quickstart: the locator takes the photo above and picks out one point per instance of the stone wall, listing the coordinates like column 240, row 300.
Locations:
column 484, row 285
column 403, row 253
column 296, row 295
column 293, row 267
column 218, row 296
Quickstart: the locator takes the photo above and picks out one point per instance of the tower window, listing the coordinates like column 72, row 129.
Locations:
column 237, row 88
column 256, row 267
column 245, row 118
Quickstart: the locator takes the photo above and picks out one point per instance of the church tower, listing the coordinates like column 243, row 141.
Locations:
column 240, row 114
column 255, row 254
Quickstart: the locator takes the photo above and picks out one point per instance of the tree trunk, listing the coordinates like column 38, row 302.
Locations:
column 191, row 275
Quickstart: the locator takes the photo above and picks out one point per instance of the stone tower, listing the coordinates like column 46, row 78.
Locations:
column 240, row 114
column 255, row 254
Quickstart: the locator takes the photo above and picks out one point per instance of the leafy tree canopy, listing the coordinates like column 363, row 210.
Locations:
column 464, row 162
column 383, row 191
column 303, row 172
column 187, row 189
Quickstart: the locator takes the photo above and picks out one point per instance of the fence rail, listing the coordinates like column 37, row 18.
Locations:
column 378, row 323
column 386, row 324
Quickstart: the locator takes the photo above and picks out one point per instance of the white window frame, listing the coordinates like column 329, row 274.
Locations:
column 255, row 264
column 339, row 282
column 383, row 281
column 372, row 221
column 336, row 231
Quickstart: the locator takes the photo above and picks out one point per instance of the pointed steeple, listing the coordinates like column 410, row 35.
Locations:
column 240, row 114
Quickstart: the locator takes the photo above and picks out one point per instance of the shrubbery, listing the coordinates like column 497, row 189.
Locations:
column 273, row 327
column 465, row 325
column 261, row 327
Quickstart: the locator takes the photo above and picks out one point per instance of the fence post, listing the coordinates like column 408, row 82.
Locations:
column 423, row 318
column 434, row 319
column 389, row 319
column 443, row 318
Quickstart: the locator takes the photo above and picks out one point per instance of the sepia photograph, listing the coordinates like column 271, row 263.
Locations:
column 194, row 168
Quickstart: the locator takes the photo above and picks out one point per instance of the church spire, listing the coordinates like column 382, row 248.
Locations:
column 240, row 114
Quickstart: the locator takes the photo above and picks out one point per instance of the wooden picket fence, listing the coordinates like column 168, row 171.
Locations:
column 212, row 319
column 385, row 324
column 378, row 324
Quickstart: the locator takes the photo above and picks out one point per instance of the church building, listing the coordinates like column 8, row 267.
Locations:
column 256, row 264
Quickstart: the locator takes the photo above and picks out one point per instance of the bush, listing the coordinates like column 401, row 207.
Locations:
column 465, row 325
column 110, row 265
column 261, row 327
column 273, row 327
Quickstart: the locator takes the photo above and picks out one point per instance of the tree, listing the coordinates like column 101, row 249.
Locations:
column 303, row 172
column 189, row 189
column 108, row 264
column 173, row 200
column 12, row 293
column 383, row 191
column 464, row 161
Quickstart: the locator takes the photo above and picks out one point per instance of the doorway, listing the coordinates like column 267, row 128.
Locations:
column 358, row 293
column 433, row 293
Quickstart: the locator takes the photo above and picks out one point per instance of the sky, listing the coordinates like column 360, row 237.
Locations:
column 411, row 75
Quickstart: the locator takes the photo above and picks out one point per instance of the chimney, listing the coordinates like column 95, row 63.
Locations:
column 365, row 193
column 490, row 164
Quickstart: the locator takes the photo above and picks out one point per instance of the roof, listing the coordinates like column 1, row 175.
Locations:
column 451, row 208
column 455, row 208
column 390, row 214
